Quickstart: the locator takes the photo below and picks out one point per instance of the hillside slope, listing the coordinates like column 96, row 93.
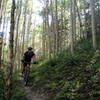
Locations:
column 70, row 78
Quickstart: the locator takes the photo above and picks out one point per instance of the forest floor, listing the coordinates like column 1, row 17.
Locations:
column 64, row 77
column 30, row 94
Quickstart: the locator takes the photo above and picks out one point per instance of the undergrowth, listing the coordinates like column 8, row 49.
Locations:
column 1, row 85
column 70, row 78
column 18, row 91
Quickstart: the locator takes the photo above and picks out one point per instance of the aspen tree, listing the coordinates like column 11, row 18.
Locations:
column 93, row 23
column 8, row 81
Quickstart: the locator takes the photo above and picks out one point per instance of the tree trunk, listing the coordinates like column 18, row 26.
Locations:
column 80, row 22
column 8, row 81
column 0, row 4
column 57, row 33
column 93, row 23
column 72, row 31
column 43, row 39
column 24, row 28
column 74, row 20
column 85, row 21
column 1, row 40
column 53, row 29
column 17, row 32
column 29, row 28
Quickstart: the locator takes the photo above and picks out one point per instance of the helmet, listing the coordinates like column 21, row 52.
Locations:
column 30, row 48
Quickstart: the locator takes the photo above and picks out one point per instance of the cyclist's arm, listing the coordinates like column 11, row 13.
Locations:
column 34, row 58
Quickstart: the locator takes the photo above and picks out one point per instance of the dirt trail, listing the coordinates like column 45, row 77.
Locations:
column 32, row 95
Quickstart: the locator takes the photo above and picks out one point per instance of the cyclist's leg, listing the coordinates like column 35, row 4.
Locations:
column 27, row 74
column 23, row 68
column 26, row 68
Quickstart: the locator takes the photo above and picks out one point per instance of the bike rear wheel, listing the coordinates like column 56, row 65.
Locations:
column 26, row 76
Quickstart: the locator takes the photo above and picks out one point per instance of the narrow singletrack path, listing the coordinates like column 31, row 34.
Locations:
column 31, row 95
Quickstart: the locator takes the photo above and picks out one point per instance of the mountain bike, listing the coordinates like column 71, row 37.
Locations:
column 27, row 72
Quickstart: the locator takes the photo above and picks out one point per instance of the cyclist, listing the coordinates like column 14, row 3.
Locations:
column 29, row 55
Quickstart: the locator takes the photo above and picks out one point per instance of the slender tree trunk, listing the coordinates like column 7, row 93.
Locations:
column 24, row 28
column 0, row 4
column 45, row 33
column 93, row 23
column 43, row 38
column 48, row 29
column 72, row 31
column 1, row 8
column 85, row 21
column 74, row 21
column 8, row 81
column 57, row 33
column 62, row 27
column 3, row 23
column 80, row 22
column 17, row 32
column 29, row 28
column 53, row 29
column 1, row 42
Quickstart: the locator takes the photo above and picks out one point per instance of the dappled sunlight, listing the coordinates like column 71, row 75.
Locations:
column 49, row 49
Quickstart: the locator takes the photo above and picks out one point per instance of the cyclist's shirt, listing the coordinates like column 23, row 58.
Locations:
column 28, row 56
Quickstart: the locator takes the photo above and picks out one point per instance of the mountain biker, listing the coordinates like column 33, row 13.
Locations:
column 29, row 55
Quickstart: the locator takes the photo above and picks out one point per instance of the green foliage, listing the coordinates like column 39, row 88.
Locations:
column 1, row 85
column 18, row 92
column 71, row 78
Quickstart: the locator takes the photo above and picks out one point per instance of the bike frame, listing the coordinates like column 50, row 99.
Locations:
column 26, row 74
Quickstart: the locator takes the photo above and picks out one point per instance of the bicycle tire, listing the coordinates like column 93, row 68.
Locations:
column 26, row 77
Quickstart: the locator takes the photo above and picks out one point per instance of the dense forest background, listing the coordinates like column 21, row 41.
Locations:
column 64, row 35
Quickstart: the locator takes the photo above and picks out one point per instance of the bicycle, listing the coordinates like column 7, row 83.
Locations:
column 27, row 72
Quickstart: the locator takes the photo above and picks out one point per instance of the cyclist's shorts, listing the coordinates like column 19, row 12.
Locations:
column 25, row 64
